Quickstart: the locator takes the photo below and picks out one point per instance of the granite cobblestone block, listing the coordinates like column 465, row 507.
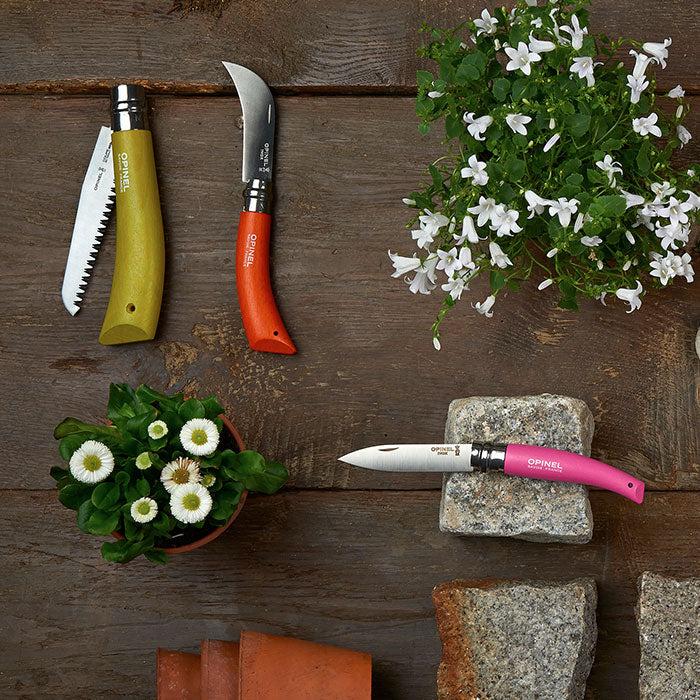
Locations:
column 515, row 640
column 497, row 505
column 668, row 618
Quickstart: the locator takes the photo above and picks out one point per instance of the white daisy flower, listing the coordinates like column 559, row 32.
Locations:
column 199, row 436
column 208, row 480
column 157, row 429
column 143, row 461
column 190, row 503
column 92, row 462
column 144, row 510
column 179, row 472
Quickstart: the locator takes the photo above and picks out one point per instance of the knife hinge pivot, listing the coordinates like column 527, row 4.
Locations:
column 488, row 457
column 257, row 196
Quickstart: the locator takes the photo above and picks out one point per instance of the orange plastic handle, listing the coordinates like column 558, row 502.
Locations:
column 261, row 319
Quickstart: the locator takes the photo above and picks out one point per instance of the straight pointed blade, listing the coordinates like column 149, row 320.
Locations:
column 94, row 207
column 412, row 458
column 258, row 122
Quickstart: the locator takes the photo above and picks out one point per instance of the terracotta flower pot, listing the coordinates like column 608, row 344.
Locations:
column 219, row 530
column 280, row 668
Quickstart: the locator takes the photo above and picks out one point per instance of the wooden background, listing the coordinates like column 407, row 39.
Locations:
column 343, row 556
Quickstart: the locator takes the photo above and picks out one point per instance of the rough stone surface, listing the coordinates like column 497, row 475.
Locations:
column 668, row 617
column 498, row 505
column 515, row 640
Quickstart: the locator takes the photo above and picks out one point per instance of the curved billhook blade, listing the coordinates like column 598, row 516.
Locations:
column 258, row 122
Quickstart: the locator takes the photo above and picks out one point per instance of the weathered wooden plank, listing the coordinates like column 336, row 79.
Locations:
column 366, row 371
column 336, row 45
column 353, row 569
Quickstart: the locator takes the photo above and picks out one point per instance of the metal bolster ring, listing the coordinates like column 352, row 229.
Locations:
column 257, row 196
column 488, row 457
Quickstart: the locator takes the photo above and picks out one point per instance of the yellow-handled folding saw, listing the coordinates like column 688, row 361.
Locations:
column 137, row 284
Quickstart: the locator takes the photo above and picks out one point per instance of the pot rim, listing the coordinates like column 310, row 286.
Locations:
column 222, row 528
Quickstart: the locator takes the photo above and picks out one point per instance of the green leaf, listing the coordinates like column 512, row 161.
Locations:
column 123, row 551
column 122, row 402
column 642, row 159
column 568, row 303
column 250, row 462
column 73, row 426
column 147, row 395
column 515, row 167
column 73, row 495
column 500, row 89
column 519, row 88
column 423, row 128
column 471, row 68
column 575, row 179
column 161, row 524
column 106, row 495
column 506, row 193
column 578, row 124
column 570, row 166
column 58, row 473
column 122, row 478
column 212, row 407
column 192, row 408
column 101, row 523
column 134, row 531
column 608, row 205
column 143, row 487
column 453, row 126
column 424, row 79
column 84, row 513
column 157, row 556
column 269, row 480
column 69, row 445
column 497, row 280
column 567, row 289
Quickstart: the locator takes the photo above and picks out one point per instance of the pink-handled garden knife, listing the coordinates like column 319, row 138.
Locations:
column 517, row 460
column 261, row 319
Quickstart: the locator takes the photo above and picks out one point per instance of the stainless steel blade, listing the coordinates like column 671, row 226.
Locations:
column 94, row 207
column 258, row 122
column 412, row 458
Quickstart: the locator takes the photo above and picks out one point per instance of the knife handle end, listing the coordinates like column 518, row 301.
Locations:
column 261, row 319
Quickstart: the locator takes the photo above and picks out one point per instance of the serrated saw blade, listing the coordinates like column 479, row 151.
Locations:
column 94, row 208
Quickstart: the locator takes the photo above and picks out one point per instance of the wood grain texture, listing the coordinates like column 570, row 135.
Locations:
column 352, row 569
column 335, row 45
column 366, row 371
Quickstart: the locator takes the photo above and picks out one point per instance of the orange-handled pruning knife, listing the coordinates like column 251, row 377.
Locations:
column 261, row 319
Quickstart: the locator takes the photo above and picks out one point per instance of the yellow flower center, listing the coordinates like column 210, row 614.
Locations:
column 144, row 508
column 157, row 429
column 199, row 437
column 181, row 475
column 191, row 501
column 92, row 463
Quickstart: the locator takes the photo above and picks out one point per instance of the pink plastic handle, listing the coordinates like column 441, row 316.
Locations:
column 557, row 465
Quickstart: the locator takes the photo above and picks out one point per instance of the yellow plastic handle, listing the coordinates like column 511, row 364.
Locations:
column 139, row 268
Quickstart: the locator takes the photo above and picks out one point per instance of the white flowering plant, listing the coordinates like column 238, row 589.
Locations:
column 163, row 473
column 559, row 163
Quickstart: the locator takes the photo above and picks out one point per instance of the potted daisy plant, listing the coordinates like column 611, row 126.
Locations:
column 165, row 475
